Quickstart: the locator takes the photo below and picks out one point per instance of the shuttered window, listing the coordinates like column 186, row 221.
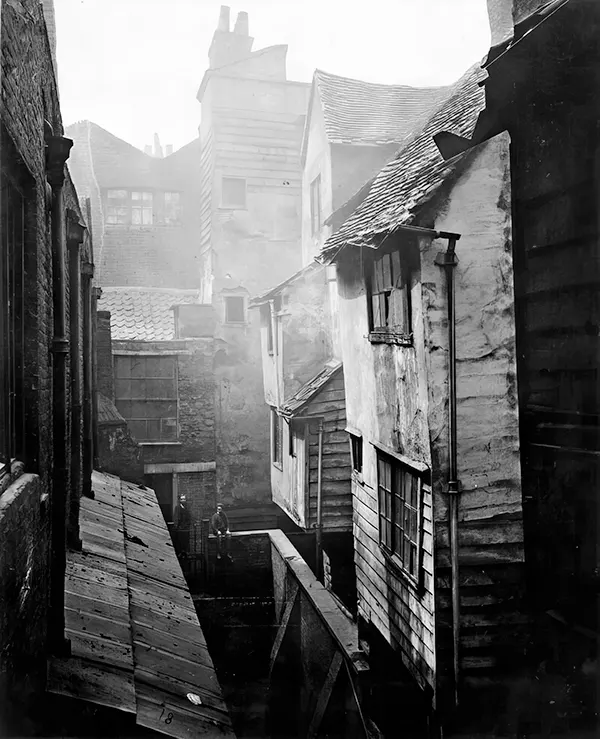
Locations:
column 389, row 296
column 399, row 490
column 146, row 396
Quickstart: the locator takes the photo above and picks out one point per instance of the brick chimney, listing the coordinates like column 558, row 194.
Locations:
column 229, row 46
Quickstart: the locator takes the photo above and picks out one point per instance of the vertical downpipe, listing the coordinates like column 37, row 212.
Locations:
column 319, row 531
column 75, row 236
column 57, row 153
column 449, row 261
column 88, row 402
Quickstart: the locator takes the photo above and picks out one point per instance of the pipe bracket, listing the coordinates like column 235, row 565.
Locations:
column 60, row 346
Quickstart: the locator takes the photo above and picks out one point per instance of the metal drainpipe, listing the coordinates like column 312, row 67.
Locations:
column 88, row 438
column 95, row 297
column 75, row 236
column 449, row 261
column 57, row 153
column 319, row 537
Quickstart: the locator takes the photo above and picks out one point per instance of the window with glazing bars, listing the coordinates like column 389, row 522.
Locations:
column 129, row 208
column 12, row 271
column 146, row 396
column 400, row 494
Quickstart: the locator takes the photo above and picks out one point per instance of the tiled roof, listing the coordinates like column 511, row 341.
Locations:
column 364, row 112
column 417, row 171
column 308, row 391
column 108, row 415
column 275, row 291
column 143, row 314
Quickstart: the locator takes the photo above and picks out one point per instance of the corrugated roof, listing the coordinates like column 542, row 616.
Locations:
column 417, row 171
column 144, row 314
column 311, row 388
column 365, row 112
column 136, row 643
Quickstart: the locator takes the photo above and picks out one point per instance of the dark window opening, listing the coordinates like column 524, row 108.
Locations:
column 356, row 452
column 235, row 309
column 162, row 484
column 399, row 491
column 276, row 437
column 146, row 396
column 315, row 206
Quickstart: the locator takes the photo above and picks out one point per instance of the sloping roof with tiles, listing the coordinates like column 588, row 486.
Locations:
column 144, row 314
column 412, row 178
column 364, row 112
column 311, row 388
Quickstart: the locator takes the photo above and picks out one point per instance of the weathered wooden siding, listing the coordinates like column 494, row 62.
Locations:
column 490, row 505
column 330, row 405
column 386, row 400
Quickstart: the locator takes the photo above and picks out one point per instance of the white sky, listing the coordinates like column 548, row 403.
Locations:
column 134, row 66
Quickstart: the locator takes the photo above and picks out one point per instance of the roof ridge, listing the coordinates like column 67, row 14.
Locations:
column 383, row 85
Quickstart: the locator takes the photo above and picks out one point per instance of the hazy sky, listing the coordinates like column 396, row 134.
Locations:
column 134, row 66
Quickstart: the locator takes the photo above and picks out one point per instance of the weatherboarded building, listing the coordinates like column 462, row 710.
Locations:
column 251, row 134
column 424, row 270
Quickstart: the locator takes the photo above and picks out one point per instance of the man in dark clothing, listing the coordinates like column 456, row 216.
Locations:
column 219, row 525
column 183, row 524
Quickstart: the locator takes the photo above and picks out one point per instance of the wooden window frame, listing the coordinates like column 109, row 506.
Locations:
column 276, row 439
column 13, row 236
column 316, row 214
column 177, row 207
column 129, row 204
column 230, row 204
column 387, row 275
column 356, row 452
column 119, row 399
column 394, row 542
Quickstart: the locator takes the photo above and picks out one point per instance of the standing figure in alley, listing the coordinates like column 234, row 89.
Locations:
column 183, row 522
column 219, row 525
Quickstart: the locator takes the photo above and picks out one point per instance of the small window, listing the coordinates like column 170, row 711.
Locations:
column 315, row 206
column 233, row 192
column 389, row 297
column 129, row 208
column 276, row 437
column 235, row 309
column 141, row 208
column 173, row 208
column 399, row 490
column 117, row 212
column 356, row 452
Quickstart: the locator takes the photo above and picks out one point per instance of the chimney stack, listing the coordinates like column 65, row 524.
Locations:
column 158, row 152
column 224, row 19
column 241, row 24
column 168, row 150
column 229, row 46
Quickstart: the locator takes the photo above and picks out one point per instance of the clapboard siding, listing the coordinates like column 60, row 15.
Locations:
column 330, row 405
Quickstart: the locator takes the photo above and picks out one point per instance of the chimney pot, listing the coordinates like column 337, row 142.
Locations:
column 224, row 18
column 241, row 24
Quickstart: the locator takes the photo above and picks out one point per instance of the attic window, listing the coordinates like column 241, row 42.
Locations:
column 233, row 192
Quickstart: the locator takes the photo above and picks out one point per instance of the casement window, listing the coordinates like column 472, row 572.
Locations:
column 388, row 289
column 400, row 501
column 129, row 208
column 276, row 437
column 356, row 452
column 12, row 326
column 235, row 309
column 233, row 192
column 315, row 206
column 173, row 209
column 146, row 396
